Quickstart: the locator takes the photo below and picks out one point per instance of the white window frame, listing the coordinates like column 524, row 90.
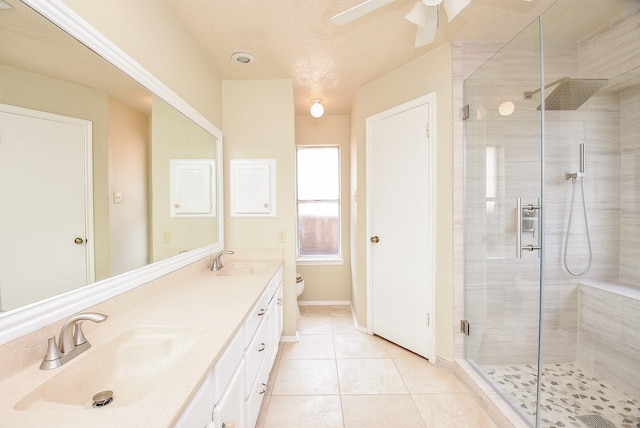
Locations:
column 333, row 259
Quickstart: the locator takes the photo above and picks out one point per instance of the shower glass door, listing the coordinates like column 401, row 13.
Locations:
column 503, row 162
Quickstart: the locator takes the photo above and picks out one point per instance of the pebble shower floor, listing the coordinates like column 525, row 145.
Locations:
column 572, row 397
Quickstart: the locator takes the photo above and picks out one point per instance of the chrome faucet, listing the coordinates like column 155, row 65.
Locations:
column 217, row 262
column 72, row 341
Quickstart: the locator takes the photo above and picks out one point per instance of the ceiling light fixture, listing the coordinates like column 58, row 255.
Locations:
column 243, row 58
column 317, row 110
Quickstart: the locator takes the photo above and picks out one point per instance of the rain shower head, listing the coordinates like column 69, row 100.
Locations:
column 570, row 93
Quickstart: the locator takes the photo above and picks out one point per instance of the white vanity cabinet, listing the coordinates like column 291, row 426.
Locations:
column 262, row 348
column 232, row 393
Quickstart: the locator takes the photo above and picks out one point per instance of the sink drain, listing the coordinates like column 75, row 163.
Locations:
column 103, row 398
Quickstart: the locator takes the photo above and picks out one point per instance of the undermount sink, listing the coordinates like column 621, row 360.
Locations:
column 130, row 365
column 241, row 268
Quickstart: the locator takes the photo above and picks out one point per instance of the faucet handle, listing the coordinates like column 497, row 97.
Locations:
column 51, row 358
column 52, row 350
column 78, row 335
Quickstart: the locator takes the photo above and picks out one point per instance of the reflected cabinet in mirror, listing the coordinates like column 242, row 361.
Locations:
column 86, row 178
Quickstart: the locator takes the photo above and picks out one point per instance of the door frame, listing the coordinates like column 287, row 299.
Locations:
column 87, row 127
column 429, row 99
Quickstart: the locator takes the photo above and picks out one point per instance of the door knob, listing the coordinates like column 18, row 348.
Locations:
column 78, row 241
column 375, row 239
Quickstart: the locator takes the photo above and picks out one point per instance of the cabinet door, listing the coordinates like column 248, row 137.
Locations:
column 198, row 412
column 275, row 324
column 253, row 188
column 230, row 410
column 192, row 188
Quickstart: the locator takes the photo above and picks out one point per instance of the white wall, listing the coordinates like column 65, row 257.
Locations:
column 259, row 123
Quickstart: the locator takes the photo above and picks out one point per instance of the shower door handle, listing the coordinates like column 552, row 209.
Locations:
column 519, row 246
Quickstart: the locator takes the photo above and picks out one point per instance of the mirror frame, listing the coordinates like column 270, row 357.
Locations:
column 32, row 317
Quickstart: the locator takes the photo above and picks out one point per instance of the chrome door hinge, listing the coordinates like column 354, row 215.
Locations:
column 428, row 320
column 464, row 112
column 426, row 131
column 464, row 327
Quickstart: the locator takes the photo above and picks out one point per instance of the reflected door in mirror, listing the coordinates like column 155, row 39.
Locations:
column 43, row 225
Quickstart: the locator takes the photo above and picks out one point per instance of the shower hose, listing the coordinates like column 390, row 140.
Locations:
column 586, row 225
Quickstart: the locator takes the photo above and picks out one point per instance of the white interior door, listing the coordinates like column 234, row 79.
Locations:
column 44, row 216
column 401, row 226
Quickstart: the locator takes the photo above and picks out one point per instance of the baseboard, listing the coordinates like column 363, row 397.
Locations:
column 444, row 364
column 290, row 339
column 324, row 303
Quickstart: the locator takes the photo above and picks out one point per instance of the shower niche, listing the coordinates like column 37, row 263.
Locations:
column 554, row 353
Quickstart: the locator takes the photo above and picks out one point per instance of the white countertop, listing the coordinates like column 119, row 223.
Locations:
column 210, row 306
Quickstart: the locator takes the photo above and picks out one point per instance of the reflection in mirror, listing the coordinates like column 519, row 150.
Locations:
column 127, row 138
column 176, row 138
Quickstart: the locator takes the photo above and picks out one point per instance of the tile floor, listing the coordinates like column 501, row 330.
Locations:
column 336, row 376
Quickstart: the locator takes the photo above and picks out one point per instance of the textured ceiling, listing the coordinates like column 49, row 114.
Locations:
column 296, row 39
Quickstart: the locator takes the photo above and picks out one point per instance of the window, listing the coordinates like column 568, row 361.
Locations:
column 318, row 202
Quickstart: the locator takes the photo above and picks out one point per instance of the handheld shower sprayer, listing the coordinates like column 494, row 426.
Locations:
column 573, row 176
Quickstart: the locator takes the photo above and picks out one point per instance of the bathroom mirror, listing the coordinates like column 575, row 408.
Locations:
column 135, row 133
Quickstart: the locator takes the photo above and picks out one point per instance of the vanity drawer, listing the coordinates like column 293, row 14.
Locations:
column 257, row 314
column 255, row 353
column 256, row 395
column 275, row 282
column 226, row 365
column 230, row 410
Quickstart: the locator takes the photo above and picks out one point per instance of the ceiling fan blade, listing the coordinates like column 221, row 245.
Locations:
column 453, row 7
column 358, row 11
column 427, row 33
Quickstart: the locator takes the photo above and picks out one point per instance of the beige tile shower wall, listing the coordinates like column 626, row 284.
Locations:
column 596, row 125
column 609, row 54
column 608, row 340
column 613, row 51
column 630, row 195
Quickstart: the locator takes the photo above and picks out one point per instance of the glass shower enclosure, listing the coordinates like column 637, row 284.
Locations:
column 552, row 225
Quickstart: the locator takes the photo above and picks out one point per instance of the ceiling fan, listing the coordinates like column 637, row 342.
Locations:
column 425, row 14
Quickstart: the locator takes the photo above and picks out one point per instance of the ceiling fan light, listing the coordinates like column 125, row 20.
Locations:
column 453, row 7
column 419, row 14
column 431, row 2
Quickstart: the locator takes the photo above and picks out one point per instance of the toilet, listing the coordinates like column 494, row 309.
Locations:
column 299, row 290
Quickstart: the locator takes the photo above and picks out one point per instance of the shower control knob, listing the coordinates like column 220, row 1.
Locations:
column 375, row 239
